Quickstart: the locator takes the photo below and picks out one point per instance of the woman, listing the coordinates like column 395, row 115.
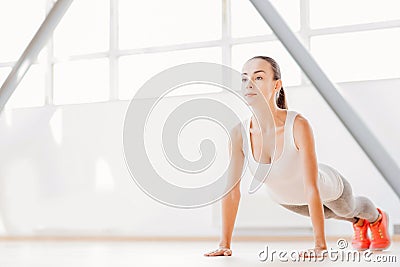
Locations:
column 326, row 194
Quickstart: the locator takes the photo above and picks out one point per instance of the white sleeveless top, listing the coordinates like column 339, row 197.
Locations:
column 285, row 179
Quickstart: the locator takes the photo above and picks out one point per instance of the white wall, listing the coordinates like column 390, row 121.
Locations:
column 62, row 170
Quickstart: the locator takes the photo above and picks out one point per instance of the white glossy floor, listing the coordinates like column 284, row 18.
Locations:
column 145, row 253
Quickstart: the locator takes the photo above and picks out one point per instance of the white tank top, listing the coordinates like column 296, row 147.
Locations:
column 285, row 179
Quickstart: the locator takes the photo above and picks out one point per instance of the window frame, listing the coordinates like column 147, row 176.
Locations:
column 225, row 43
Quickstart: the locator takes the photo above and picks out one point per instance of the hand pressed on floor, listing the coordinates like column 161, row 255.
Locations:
column 313, row 253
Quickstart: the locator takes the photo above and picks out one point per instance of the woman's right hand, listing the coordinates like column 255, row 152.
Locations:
column 221, row 251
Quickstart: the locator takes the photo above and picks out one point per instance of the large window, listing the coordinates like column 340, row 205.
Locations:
column 366, row 55
column 30, row 91
column 105, row 50
column 135, row 70
column 84, row 29
column 160, row 22
column 17, row 27
column 331, row 13
column 81, row 81
column 246, row 21
column 19, row 20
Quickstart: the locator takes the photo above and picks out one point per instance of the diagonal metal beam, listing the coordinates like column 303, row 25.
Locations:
column 354, row 124
column 31, row 52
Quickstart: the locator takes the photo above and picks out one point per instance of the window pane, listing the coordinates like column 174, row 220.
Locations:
column 135, row 70
column 330, row 13
column 359, row 56
column 30, row 91
column 81, row 81
column 19, row 21
column 160, row 22
column 290, row 72
column 83, row 29
column 246, row 21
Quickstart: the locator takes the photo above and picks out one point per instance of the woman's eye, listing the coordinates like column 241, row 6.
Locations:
column 259, row 78
column 244, row 80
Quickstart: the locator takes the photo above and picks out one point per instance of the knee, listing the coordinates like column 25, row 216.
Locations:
column 347, row 214
column 346, row 211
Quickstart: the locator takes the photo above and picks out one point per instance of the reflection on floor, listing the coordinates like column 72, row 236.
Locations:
column 163, row 253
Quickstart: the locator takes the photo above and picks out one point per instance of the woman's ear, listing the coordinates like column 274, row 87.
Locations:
column 278, row 85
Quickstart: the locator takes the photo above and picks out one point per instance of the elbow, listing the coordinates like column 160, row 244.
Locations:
column 236, row 194
column 233, row 195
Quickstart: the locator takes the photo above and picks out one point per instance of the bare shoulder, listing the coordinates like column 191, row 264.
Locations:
column 302, row 131
column 302, row 123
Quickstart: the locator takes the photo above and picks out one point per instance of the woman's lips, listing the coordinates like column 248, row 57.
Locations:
column 250, row 94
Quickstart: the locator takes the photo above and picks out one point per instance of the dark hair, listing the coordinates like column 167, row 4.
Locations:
column 281, row 101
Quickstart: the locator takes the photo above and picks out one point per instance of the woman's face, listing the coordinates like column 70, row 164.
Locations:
column 258, row 84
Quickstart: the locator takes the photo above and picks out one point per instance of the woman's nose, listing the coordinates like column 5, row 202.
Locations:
column 249, row 85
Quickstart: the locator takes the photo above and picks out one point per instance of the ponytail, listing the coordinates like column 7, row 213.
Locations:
column 281, row 99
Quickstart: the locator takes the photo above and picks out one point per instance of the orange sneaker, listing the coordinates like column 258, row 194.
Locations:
column 360, row 239
column 380, row 238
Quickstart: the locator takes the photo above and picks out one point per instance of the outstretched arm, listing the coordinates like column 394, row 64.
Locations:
column 230, row 202
column 304, row 140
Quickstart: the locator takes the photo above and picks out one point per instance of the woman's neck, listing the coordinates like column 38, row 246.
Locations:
column 265, row 119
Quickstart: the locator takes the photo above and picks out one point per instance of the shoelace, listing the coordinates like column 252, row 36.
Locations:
column 360, row 231
column 377, row 226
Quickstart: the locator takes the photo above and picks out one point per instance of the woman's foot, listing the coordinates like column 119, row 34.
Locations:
column 221, row 251
column 380, row 238
column 360, row 239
